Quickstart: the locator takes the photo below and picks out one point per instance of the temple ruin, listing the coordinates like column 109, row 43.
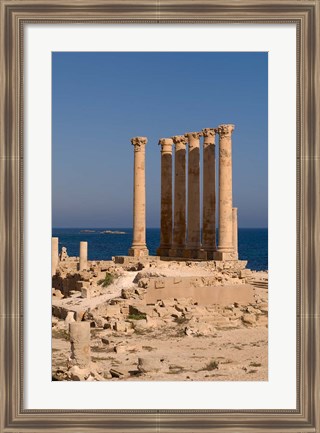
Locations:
column 181, row 232
column 193, row 311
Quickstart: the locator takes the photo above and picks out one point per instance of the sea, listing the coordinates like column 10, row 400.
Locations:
column 253, row 243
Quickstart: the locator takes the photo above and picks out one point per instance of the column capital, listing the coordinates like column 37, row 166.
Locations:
column 166, row 145
column 193, row 135
column 225, row 130
column 209, row 135
column 193, row 139
column 179, row 141
column 139, row 143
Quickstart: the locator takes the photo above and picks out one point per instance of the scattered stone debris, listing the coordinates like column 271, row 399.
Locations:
column 119, row 330
column 150, row 364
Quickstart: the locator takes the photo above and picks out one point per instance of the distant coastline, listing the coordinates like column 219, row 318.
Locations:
column 113, row 232
column 106, row 232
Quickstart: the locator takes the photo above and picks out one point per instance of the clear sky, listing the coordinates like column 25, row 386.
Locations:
column 101, row 100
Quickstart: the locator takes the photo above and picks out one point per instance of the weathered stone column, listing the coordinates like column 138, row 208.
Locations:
column 179, row 224
column 225, row 246
column 166, row 197
column 54, row 255
column 80, row 343
column 83, row 259
column 193, row 228
column 235, row 231
column 209, row 193
column 139, row 247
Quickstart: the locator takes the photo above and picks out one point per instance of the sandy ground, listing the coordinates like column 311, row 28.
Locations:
column 233, row 354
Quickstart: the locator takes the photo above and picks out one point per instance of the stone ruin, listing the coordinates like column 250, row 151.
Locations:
column 192, row 288
column 149, row 302
column 180, row 223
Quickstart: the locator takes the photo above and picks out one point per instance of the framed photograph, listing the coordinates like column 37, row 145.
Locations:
column 161, row 161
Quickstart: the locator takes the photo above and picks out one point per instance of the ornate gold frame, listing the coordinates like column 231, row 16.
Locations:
column 14, row 15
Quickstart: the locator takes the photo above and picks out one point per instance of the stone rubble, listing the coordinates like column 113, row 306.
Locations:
column 128, row 336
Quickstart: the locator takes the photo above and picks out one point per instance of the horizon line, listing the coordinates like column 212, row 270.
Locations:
column 131, row 228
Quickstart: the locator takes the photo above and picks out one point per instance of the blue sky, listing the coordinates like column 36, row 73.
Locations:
column 101, row 100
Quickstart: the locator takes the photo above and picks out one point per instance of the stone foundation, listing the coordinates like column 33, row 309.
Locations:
column 134, row 260
column 186, row 287
column 227, row 263
column 219, row 255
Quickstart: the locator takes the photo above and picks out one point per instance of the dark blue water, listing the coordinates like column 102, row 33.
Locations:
column 253, row 244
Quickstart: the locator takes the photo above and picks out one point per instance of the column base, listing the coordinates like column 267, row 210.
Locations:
column 138, row 252
column 190, row 253
column 163, row 251
column 176, row 252
column 210, row 254
column 219, row 255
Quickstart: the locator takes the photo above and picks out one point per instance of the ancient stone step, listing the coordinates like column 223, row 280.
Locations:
column 260, row 284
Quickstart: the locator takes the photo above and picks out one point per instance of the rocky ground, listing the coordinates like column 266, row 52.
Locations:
column 174, row 339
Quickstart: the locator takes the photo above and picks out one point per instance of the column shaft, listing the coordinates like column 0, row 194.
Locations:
column 80, row 343
column 235, row 231
column 139, row 247
column 209, row 193
column 179, row 225
column 193, row 229
column 83, row 257
column 225, row 246
column 54, row 255
column 166, row 197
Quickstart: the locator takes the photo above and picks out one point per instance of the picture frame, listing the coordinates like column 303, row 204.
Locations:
column 305, row 15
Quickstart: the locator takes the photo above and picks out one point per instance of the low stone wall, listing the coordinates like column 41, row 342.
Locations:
column 132, row 263
column 66, row 283
column 203, row 294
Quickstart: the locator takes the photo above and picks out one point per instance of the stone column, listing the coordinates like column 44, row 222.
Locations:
column 83, row 259
column 54, row 255
column 209, row 193
column 193, row 229
column 166, row 197
column 139, row 247
column 225, row 246
column 80, row 343
column 235, row 231
column 179, row 225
